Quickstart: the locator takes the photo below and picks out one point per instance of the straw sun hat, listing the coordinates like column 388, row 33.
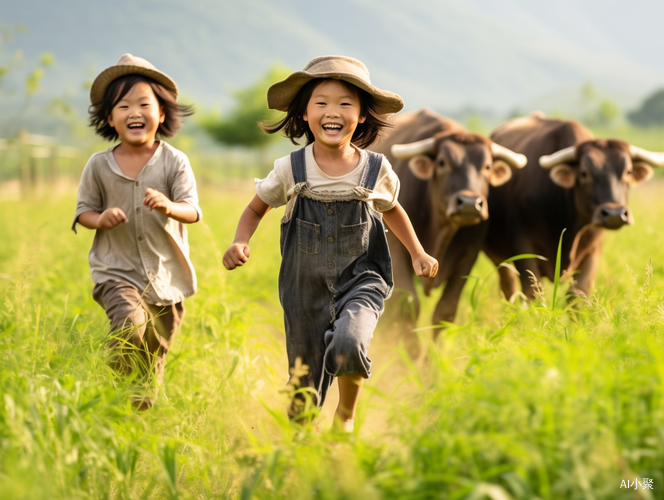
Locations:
column 280, row 95
column 128, row 65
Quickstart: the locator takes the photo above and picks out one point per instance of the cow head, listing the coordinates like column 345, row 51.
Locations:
column 460, row 166
column 600, row 173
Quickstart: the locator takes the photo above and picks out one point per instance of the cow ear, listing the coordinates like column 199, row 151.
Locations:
column 641, row 172
column 500, row 173
column 563, row 175
column 422, row 167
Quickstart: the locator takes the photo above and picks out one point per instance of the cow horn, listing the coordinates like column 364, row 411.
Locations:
column 653, row 159
column 562, row 156
column 516, row 160
column 407, row 151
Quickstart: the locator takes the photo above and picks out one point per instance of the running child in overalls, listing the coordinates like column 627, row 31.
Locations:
column 336, row 271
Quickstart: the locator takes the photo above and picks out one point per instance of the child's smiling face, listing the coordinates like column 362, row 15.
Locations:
column 136, row 117
column 333, row 113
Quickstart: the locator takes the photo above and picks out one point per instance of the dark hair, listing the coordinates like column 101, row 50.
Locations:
column 294, row 125
column 118, row 88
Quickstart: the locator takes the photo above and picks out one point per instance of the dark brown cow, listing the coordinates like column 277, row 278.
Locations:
column 572, row 181
column 445, row 172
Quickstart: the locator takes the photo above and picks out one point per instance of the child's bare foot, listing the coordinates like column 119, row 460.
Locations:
column 342, row 423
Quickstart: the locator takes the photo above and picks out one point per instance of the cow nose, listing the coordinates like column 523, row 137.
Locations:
column 469, row 205
column 614, row 217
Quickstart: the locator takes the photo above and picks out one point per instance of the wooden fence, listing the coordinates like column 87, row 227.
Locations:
column 36, row 164
column 32, row 163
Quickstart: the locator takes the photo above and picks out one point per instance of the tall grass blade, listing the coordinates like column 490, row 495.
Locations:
column 479, row 283
column 556, row 275
column 168, row 455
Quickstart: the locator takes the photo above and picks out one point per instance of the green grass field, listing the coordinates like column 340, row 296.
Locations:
column 516, row 402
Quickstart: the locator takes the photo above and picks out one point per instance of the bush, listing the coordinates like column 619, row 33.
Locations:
column 651, row 111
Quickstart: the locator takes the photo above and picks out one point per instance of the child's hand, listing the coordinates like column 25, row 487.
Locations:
column 425, row 266
column 156, row 200
column 236, row 255
column 110, row 218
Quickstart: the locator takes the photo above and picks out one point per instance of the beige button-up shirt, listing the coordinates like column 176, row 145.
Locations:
column 151, row 250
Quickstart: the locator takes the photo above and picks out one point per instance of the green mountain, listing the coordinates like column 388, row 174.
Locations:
column 443, row 54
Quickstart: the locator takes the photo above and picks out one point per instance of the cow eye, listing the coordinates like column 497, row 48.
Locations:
column 584, row 174
column 629, row 172
column 488, row 166
column 441, row 163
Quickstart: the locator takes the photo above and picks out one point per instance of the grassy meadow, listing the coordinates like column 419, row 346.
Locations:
column 516, row 401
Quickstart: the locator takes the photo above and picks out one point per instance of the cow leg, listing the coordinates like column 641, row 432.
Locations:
column 584, row 280
column 526, row 268
column 403, row 308
column 446, row 308
column 404, row 298
column 449, row 301
column 460, row 259
column 508, row 283
column 529, row 273
column 589, row 252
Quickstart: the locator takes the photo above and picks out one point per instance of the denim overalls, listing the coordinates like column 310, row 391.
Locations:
column 335, row 274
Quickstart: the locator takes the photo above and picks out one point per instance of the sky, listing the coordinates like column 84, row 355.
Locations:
column 445, row 54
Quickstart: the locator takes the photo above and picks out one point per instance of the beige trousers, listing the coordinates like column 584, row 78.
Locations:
column 141, row 334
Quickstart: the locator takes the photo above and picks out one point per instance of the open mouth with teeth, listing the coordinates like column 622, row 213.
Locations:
column 332, row 128
column 135, row 126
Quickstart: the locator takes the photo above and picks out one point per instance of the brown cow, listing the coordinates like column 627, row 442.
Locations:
column 572, row 181
column 445, row 172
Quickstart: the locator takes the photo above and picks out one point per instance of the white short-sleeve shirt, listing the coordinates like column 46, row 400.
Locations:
column 278, row 187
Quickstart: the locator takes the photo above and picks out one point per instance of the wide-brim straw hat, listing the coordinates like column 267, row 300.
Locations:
column 129, row 65
column 281, row 94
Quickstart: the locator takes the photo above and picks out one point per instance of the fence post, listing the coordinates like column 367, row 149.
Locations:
column 52, row 166
column 24, row 153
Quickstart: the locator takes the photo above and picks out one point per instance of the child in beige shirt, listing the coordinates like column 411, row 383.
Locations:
column 138, row 195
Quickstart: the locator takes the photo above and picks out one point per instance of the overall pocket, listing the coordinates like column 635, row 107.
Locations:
column 354, row 239
column 308, row 237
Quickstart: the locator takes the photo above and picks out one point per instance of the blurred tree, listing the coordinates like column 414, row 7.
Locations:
column 587, row 102
column 515, row 113
column 595, row 110
column 240, row 127
column 475, row 124
column 607, row 113
column 8, row 63
column 588, row 92
column 66, row 108
column 557, row 113
column 651, row 111
column 11, row 63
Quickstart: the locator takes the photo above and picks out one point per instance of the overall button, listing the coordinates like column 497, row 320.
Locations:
column 137, row 183
column 330, row 239
column 330, row 265
column 140, row 238
column 138, row 209
column 330, row 211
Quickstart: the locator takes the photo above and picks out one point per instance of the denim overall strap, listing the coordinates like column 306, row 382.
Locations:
column 298, row 166
column 375, row 162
